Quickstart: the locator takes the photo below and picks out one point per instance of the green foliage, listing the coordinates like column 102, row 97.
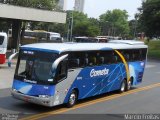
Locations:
column 133, row 28
column 41, row 4
column 115, row 23
column 154, row 51
column 85, row 29
column 149, row 17
column 82, row 25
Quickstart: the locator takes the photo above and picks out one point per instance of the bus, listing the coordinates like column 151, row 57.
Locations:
column 53, row 36
column 3, row 47
column 36, row 36
column 51, row 74
column 85, row 40
column 90, row 40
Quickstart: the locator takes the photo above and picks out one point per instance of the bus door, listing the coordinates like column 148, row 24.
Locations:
column 59, row 70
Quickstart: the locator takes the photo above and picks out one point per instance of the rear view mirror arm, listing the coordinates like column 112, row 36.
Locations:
column 57, row 61
column 10, row 58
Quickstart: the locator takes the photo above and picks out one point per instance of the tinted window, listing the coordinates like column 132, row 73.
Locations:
column 134, row 54
column 106, row 57
column 92, row 59
column 127, row 55
column 61, row 71
column 143, row 53
column 76, row 59
column 116, row 58
column 1, row 40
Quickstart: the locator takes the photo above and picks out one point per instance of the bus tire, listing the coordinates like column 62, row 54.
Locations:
column 72, row 99
column 123, row 86
column 129, row 84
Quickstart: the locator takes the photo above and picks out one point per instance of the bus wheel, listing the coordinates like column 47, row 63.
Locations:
column 123, row 86
column 128, row 85
column 72, row 99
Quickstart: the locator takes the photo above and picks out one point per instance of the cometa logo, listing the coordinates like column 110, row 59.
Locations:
column 95, row 73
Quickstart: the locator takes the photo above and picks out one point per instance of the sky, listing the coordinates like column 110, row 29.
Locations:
column 94, row 8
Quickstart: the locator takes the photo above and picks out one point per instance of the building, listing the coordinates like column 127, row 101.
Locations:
column 17, row 14
column 63, row 4
column 79, row 5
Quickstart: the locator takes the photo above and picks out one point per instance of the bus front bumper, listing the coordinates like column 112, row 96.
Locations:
column 33, row 99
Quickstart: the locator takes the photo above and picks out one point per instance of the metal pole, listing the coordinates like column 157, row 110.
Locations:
column 135, row 28
column 68, row 31
column 71, row 27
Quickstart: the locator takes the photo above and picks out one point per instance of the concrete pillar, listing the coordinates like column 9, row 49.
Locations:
column 16, row 29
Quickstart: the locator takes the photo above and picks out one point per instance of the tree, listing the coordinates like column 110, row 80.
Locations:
column 17, row 24
column 149, row 17
column 41, row 4
column 82, row 25
column 114, row 23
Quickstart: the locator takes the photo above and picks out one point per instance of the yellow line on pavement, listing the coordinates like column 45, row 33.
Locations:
column 107, row 98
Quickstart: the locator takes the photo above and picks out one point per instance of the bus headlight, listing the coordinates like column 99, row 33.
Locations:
column 43, row 96
column 14, row 90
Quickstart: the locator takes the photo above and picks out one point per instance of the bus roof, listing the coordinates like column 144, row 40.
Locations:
column 3, row 34
column 130, row 42
column 64, row 47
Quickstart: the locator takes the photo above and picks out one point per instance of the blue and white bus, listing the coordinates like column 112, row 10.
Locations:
column 51, row 74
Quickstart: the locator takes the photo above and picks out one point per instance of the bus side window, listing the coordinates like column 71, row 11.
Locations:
column 73, row 63
column 61, row 71
column 126, row 55
column 144, row 51
column 86, row 61
column 131, row 56
column 92, row 58
column 116, row 58
column 136, row 56
column 143, row 54
column 93, row 61
column 140, row 55
column 105, row 57
column 101, row 61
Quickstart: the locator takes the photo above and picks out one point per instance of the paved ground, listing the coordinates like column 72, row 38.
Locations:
column 142, row 100
column 6, row 75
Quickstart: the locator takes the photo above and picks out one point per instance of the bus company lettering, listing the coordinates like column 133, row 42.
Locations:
column 95, row 73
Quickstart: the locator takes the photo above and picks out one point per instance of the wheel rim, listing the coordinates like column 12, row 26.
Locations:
column 72, row 99
column 123, row 87
column 129, row 85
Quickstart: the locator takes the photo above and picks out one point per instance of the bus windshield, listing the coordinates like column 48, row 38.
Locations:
column 35, row 66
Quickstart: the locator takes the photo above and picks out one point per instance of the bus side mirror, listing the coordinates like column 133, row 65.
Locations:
column 56, row 63
column 61, row 71
column 10, row 58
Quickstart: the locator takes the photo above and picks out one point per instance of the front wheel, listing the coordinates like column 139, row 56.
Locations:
column 72, row 99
